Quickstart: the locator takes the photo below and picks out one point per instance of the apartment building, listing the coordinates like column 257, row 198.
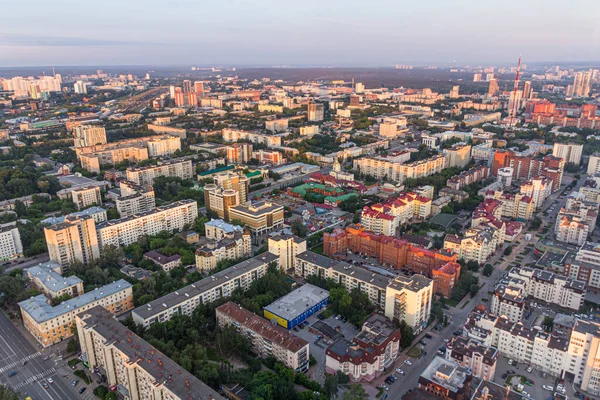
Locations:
column 185, row 300
column 134, row 199
column 516, row 206
column 223, row 241
column 470, row 354
column 233, row 135
column 594, row 164
column 49, row 282
column 316, row 112
column 233, row 181
column 287, row 247
column 86, row 196
column 93, row 161
column 127, row 230
column 484, row 153
column 220, row 200
column 385, row 218
column 585, row 266
column 399, row 172
column 260, row 217
column 239, row 153
column 50, row 325
column 309, row 130
column 11, row 246
column 136, row 369
column 538, row 188
column 458, row 155
column 277, row 125
column 401, row 299
column 177, row 168
column 509, row 301
column 163, row 145
column 475, row 174
column 266, row 338
column 74, row 239
column 583, row 360
column 270, row 157
column 440, row 265
column 373, row 350
column 445, row 379
column 570, row 153
column 528, row 167
column 89, row 135
column 571, row 229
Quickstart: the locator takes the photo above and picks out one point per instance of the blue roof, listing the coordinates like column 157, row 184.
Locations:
column 40, row 310
column 88, row 211
column 52, row 280
column 224, row 226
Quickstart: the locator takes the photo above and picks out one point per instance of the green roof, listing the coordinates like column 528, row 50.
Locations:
column 443, row 220
column 253, row 174
column 302, row 189
column 342, row 197
column 216, row 170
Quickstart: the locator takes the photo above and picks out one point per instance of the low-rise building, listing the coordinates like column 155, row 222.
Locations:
column 295, row 307
column 167, row 263
column 260, row 217
column 267, row 339
column 50, row 325
column 45, row 279
column 445, row 379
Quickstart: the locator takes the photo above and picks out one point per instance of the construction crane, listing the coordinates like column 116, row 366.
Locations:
column 512, row 112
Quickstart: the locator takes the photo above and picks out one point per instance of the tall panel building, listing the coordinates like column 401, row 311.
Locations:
column 89, row 135
column 74, row 239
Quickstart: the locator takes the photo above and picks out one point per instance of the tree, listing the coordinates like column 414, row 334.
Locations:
column 101, row 392
column 330, row 386
column 536, row 222
column 406, row 335
column 111, row 396
column 488, row 269
column 355, row 392
column 473, row 266
column 299, row 229
column 508, row 250
column 356, row 218
column 548, row 323
column 6, row 393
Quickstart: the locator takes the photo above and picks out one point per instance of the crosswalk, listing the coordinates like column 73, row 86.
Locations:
column 19, row 362
column 34, row 378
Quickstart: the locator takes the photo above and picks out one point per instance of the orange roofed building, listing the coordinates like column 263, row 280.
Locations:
column 397, row 253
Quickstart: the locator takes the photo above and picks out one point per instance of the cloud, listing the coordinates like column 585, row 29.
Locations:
column 57, row 41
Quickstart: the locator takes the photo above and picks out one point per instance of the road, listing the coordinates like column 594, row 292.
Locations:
column 459, row 315
column 15, row 348
column 27, row 262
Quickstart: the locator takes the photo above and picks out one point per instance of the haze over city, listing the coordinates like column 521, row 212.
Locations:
column 304, row 33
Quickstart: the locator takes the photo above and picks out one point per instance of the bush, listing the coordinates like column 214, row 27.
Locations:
column 101, row 392
column 83, row 376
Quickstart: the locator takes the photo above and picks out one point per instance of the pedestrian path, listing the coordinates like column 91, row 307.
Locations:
column 19, row 362
column 34, row 378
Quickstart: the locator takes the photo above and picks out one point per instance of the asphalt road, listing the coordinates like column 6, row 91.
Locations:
column 29, row 262
column 15, row 348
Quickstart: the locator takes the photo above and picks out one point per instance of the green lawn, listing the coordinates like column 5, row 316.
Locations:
column 318, row 249
column 415, row 352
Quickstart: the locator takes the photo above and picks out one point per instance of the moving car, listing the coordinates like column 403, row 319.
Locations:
column 12, row 373
column 50, row 380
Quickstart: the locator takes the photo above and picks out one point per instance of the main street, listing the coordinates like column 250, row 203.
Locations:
column 459, row 314
column 15, row 349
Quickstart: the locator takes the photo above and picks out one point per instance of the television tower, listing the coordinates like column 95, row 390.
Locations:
column 514, row 106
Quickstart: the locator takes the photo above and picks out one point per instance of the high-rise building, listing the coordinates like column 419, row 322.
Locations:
column 10, row 242
column 316, row 112
column 179, row 168
column 89, row 135
column 86, row 196
column 359, row 88
column 230, row 180
column 489, row 77
column 514, row 101
column 80, row 87
column 199, row 88
column 74, row 239
column 239, row 153
column 527, row 90
column 134, row 199
column 493, row 88
column 477, row 77
column 581, row 84
column 570, row 153
column 187, row 86
column 454, row 92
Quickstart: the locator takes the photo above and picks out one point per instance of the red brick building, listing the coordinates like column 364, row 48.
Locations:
column 398, row 253
column 527, row 167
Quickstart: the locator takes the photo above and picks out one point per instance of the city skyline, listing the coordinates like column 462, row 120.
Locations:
column 246, row 33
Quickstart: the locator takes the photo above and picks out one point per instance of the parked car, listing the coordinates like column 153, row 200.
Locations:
column 428, row 336
column 398, row 370
column 548, row 387
column 82, row 390
column 504, row 375
column 511, row 372
column 510, row 362
column 407, row 362
column 385, row 387
column 457, row 332
column 385, row 396
column 75, row 382
column 446, row 340
column 529, row 369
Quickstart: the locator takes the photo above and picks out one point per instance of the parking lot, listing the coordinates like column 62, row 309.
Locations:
column 537, row 379
column 318, row 346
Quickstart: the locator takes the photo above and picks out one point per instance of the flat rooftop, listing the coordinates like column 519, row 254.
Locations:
column 40, row 310
column 87, row 212
column 144, row 214
column 182, row 295
column 445, row 373
column 297, row 302
column 181, row 383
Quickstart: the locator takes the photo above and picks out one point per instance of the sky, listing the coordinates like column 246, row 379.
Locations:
column 299, row 33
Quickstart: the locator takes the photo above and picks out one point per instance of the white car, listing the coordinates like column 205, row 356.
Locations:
column 384, row 387
column 529, row 369
column 398, row 370
column 446, row 340
column 407, row 362
column 510, row 362
column 548, row 387
column 50, row 380
column 524, row 393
